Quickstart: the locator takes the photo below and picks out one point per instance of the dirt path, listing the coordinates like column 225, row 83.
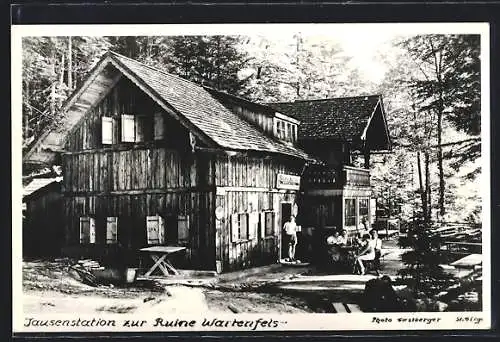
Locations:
column 48, row 287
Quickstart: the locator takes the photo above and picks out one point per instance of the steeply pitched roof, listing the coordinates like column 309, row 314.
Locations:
column 199, row 110
column 194, row 102
column 340, row 118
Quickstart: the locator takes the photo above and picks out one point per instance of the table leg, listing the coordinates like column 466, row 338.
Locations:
column 158, row 261
column 170, row 267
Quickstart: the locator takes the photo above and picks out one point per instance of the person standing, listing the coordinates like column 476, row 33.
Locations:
column 377, row 245
column 290, row 228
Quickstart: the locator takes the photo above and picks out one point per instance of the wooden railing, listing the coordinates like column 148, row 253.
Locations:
column 336, row 179
column 321, row 179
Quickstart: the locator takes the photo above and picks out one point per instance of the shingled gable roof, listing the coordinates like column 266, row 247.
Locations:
column 197, row 109
column 344, row 119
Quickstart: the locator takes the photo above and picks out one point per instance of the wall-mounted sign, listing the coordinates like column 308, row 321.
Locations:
column 219, row 213
column 289, row 182
column 295, row 210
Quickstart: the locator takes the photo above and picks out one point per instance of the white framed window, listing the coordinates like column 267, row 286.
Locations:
column 285, row 130
column 128, row 128
column 364, row 209
column 239, row 227
column 349, row 212
column 87, row 230
column 107, row 130
column 267, row 223
column 111, row 230
column 155, row 230
column 281, row 130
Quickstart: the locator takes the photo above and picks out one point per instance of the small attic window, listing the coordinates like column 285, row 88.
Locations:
column 285, row 130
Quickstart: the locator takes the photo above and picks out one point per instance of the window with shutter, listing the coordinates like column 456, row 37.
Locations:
column 159, row 126
column 87, row 230
column 253, row 222
column 269, row 224
column 241, row 226
column 243, row 223
column 183, row 228
column 235, row 233
column 155, row 229
column 107, row 130
column 84, row 230
column 161, row 229
column 128, row 128
column 152, row 230
column 262, row 223
column 111, row 230
column 140, row 123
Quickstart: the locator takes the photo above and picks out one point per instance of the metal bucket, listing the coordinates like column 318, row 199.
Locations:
column 130, row 275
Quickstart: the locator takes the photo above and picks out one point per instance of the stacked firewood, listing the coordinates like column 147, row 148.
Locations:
column 84, row 269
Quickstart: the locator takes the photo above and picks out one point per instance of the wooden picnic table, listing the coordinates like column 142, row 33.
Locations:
column 159, row 255
column 469, row 261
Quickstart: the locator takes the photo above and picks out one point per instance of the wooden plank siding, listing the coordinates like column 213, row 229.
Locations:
column 240, row 178
column 182, row 186
column 132, row 210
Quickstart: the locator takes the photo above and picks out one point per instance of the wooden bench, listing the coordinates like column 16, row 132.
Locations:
column 346, row 308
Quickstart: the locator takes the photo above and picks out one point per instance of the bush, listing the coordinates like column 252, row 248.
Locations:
column 422, row 262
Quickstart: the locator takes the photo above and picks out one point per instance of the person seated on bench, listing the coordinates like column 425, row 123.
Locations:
column 333, row 246
column 358, row 241
column 378, row 248
column 366, row 254
column 342, row 239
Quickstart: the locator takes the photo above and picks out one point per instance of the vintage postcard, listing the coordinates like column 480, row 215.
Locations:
column 258, row 178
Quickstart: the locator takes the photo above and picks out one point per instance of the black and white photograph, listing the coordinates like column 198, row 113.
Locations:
column 251, row 177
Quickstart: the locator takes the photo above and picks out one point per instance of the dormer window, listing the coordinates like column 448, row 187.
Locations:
column 281, row 132
column 285, row 128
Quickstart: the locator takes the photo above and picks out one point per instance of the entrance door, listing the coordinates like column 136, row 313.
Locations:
column 285, row 213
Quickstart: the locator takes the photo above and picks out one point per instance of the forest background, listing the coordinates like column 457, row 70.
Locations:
column 430, row 86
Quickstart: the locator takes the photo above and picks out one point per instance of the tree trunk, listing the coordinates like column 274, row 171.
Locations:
column 423, row 194
column 70, row 64
column 53, row 86
column 53, row 99
column 440, row 164
column 428, row 188
column 61, row 79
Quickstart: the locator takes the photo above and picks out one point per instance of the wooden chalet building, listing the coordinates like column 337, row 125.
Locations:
column 149, row 158
column 336, row 194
